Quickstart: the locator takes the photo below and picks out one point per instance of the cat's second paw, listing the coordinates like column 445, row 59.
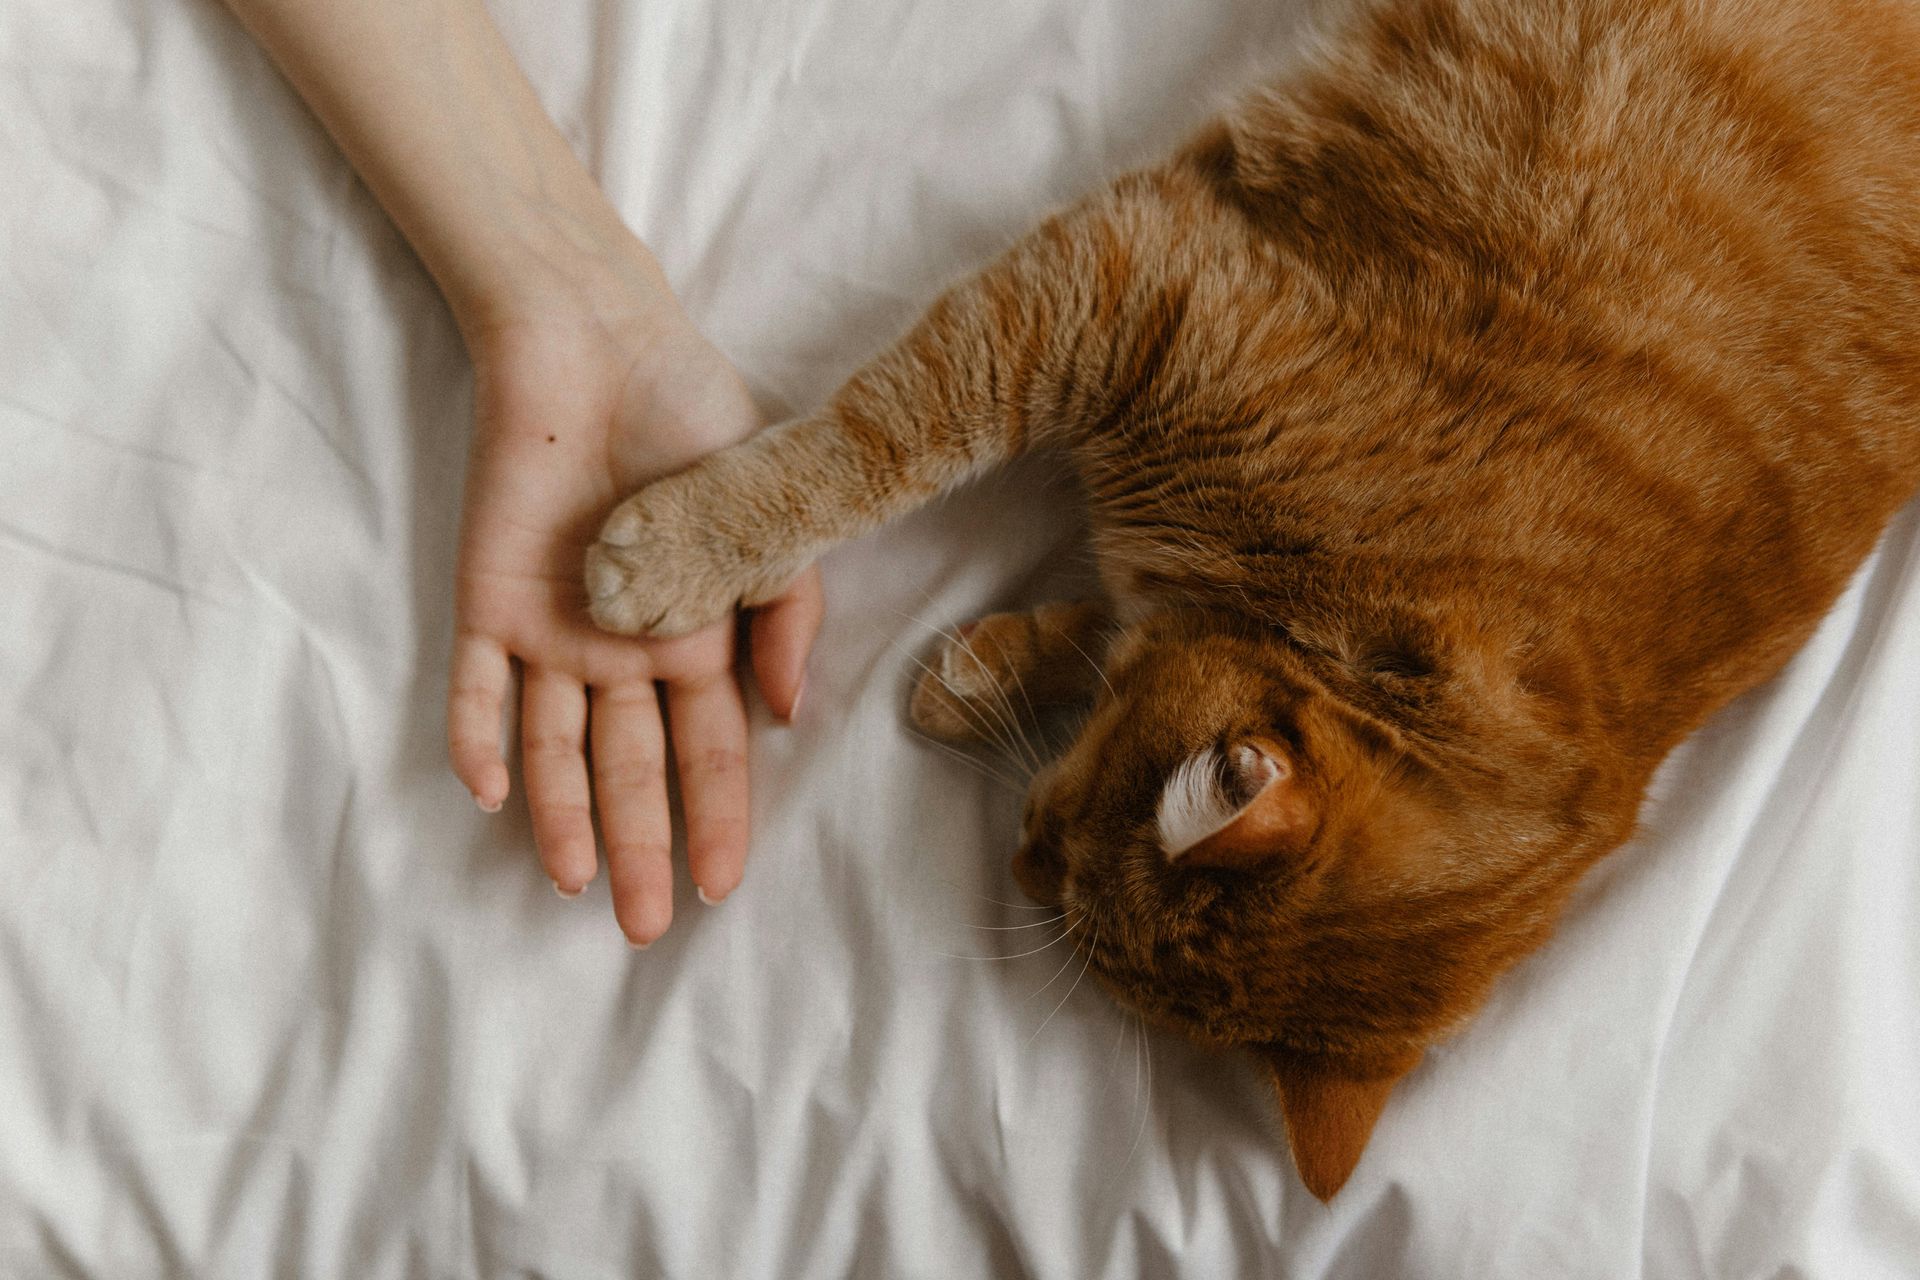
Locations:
column 991, row 676
column 964, row 693
column 947, row 703
column 676, row 557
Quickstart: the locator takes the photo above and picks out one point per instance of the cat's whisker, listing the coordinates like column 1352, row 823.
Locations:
column 1138, row 1025
column 1029, row 753
column 979, row 766
column 951, row 883
column 1004, row 731
column 1050, row 981
column 961, row 642
column 1063, row 935
column 954, row 955
column 1006, row 717
column 1035, row 925
column 1097, row 669
column 1014, row 906
column 1032, row 717
column 1070, row 990
column 1008, row 714
column 1029, row 724
column 1146, row 1109
column 987, row 729
column 991, row 734
column 1113, row 1054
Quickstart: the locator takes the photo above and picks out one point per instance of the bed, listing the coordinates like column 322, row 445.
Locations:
column 277, row 1000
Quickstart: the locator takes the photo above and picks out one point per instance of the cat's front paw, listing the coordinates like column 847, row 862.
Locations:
column 679, row 555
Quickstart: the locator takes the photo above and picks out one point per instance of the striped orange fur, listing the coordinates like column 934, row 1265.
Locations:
column 1464, row 420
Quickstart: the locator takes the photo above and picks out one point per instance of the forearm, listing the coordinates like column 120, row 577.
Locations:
column 427, row 102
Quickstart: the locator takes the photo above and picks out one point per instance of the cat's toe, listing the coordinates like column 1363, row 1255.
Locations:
column 611, row 601
column 606, row 579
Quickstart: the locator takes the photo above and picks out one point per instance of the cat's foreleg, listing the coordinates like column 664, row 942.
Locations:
column 1049, row 337
column 986, row 679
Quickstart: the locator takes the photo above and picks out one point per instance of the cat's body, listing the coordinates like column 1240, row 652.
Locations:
column 1465, row 419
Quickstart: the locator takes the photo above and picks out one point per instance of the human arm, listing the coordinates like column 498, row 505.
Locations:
column 590, row 380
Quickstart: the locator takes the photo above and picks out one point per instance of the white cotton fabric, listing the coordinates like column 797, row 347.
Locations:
column 277, row 1000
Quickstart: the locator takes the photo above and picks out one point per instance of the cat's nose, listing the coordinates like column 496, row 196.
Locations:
column 1038, row 871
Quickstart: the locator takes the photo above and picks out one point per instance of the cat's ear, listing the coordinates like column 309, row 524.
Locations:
column 1330, row 1111
column 1235, row 809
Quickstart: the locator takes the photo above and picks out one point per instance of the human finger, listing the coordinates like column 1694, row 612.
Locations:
column 476, row 694
column 781, row 635
column 630, row 787
column 553, row 726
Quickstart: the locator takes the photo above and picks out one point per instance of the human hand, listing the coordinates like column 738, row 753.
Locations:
column 589, row 382
column 585, row 389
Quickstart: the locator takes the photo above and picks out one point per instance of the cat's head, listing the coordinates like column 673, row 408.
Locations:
column 1248, row 858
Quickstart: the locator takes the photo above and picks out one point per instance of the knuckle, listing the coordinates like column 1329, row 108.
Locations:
column 641, row 849
column 720, row 841
column 562, row 834
column 625, row 697
column 464, row 744
column 472, row 700
column 714, row 762
column 625, row 771
column 548, row 744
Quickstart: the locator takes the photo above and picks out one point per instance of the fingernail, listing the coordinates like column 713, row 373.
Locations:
column 793, row 708
column 701, row 894
column 638, row 946
column 568, row 896
column 485, row 807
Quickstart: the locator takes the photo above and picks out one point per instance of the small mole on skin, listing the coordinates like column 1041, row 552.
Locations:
column 551, row 439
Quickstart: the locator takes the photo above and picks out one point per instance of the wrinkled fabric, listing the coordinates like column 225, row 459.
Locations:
column 275, row 999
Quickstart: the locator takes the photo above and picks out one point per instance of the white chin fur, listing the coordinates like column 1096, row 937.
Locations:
column 1208, row 792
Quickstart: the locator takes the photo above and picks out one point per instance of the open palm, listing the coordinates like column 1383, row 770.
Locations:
column 575, row 409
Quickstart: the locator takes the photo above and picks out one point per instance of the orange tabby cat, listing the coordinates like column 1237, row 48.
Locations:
column 1465, row 419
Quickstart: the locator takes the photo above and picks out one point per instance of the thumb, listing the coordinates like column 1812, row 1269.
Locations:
column 782, row 632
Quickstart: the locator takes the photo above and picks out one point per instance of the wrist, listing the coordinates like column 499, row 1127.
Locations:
column 429, row 105
column 548, row 258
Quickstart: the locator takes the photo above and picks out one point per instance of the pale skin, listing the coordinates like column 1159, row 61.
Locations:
column 589, row 381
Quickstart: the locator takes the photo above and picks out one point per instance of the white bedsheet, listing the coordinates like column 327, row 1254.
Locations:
column 275, row 999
